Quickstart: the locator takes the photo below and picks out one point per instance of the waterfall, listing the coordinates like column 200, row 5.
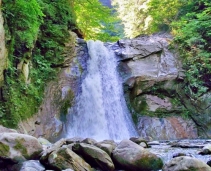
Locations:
column 101, row 111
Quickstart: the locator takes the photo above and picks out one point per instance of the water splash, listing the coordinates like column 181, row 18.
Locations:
column 101, row 111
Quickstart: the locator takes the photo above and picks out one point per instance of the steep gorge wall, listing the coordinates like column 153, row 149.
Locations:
column 49, row 121
column 152, row 75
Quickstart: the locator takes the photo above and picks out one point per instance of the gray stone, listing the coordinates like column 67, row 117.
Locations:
column 130, row 156
column 54, row 147
column 64, row 158
column 30, row 165
column 206, row 149
column 166, row 128
column 89, row 141
column 186, row 163
column 107, row 145
column 74, row 140
column 150, row 58
column 19, row 147
column 94, row 156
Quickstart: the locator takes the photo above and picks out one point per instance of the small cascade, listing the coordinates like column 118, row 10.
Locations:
column 101, row 111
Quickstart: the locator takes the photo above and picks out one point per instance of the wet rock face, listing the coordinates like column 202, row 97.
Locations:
column 59, row 94
column 166, row 128
column 151, row 74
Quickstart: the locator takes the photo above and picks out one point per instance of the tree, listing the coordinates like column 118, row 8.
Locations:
column 95, row 20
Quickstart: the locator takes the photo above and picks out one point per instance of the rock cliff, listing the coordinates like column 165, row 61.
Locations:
column 153, row 81
column 151, row 74
column 59, row 94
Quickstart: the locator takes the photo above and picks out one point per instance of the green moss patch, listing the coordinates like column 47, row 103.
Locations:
column 20, row 147
column 4, row 150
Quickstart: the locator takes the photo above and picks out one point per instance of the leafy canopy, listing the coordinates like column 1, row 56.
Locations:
column 96, row 21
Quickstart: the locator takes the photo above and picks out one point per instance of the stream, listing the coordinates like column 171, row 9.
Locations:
column 166, row 151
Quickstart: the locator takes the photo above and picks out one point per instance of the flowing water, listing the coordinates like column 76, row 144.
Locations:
column 192, row 148
column 101, row 111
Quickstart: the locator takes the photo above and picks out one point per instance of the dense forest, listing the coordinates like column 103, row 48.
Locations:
column 37, row 30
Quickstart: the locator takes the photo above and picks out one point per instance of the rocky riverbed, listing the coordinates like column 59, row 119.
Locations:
column 21, row 152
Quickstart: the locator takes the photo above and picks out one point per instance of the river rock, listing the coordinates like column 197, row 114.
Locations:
column 209, row 163
column 45, row 143
column 186, row 163
column 130, row 156
column 206, row 149
column 54, row 147
column 140, row 141
column 64, row 158
column 186, row 145
column 107, row 145
column 94, row 156
column 166, row 128
column 74, row 140
column 30, row 165
column 89, row 141
column 19, row 147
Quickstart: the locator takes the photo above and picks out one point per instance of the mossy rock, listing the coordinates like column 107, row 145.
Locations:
column 19, row 146
column 4, row 150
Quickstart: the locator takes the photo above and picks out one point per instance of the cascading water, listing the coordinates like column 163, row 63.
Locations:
column 101, row 111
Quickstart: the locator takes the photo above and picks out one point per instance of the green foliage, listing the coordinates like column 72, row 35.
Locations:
column 134, row 16
column 193, row 37
column 96, row 21
column 36, row 32
column 54, row 33
column 147, row 16
column 23, row 19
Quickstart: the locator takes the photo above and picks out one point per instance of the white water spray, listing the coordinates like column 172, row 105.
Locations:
column 101, row 111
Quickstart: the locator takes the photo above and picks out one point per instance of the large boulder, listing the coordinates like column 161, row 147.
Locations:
column 206, row 149
column 19, row 147
column 94, row 156
column 130, row 156
column 64, row 158
column 147, row 58
column 186, row 163
column 166, row 128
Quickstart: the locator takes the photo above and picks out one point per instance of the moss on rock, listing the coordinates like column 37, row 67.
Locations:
column 19, row 146
column 4, row 149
